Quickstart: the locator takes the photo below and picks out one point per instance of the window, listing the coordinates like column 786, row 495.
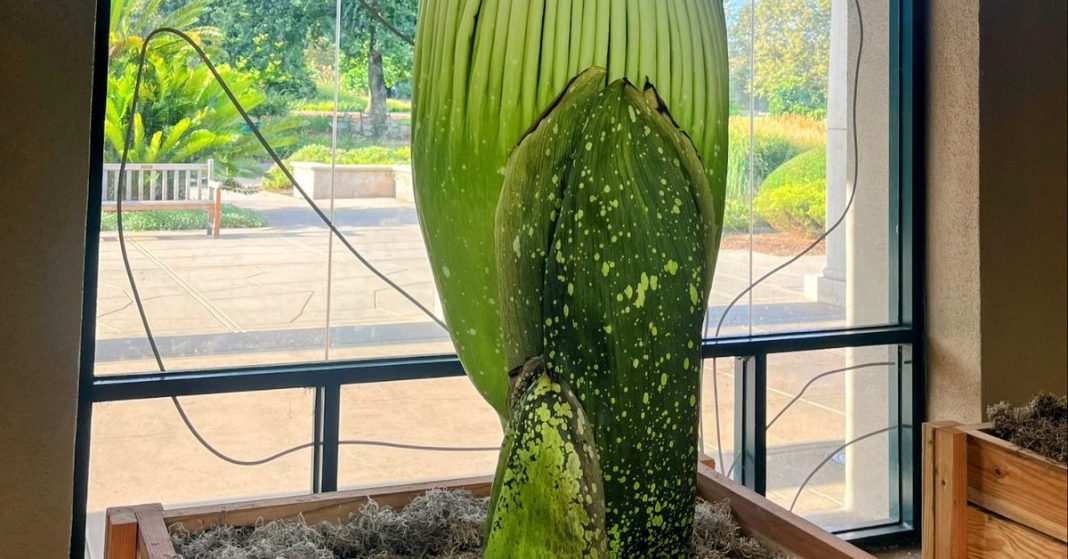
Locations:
column 813, row 347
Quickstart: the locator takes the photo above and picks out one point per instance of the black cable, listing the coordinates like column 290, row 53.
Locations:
column 828, row 459
column 120, row 191
column 837, row 223
column 818, row 377
column 800, row 393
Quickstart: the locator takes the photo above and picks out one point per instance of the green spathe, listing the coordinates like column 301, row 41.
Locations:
column 485, row 71
column 605, row 231
column 548, row 500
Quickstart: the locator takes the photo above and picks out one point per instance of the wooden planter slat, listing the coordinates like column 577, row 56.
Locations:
column 1002, row 479
column 987, row 498
column 772, row 523
column 142, row 532
column 325, row 507
column 992, row 536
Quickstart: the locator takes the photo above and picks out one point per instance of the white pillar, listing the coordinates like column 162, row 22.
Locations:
column 867, row 235
column 829, row 285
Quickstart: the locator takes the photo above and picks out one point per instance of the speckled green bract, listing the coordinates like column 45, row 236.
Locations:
column 548, row 501
column 528, row 210
column 484, row 72
column 604, row 244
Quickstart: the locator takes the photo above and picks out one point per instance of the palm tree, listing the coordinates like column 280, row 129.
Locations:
column 182, row 115
column 132, row 20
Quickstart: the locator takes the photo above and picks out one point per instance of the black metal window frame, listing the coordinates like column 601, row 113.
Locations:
column 907, row 87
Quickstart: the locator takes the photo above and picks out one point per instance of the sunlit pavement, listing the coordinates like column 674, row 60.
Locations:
column 261, row 296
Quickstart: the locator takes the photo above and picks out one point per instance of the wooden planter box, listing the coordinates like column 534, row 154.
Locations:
column 141, row 532
column 984, row 497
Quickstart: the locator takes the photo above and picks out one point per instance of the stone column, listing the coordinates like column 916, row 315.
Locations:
column 867, row 236
column 829, row 285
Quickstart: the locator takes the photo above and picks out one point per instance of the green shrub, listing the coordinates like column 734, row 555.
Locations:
column 233, row 217
column 777, row 139
column 371, row 155
column 798, row 208
column 399, row 105
column 808, row 167
column 793, row 198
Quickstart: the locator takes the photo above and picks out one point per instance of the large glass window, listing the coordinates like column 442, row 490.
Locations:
column 276, row 338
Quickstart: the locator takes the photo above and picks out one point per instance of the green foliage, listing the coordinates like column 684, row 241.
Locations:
column 233, row 217
column 777, row 139
column 274, row 41
column 799, row 208
column 793, row 198
column 267, row 38
column 184, row 116
column 131, row 21
column 349, row 100
column 792, row 56
column 806, row 168
column 371, row 155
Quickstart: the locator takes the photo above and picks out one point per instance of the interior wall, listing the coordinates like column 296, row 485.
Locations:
column 1023, row 95
column 997, row 227
column 45, row 84
column 954, row 336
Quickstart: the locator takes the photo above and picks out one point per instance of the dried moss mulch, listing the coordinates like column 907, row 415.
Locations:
column 1040, row 426
column 440, row 524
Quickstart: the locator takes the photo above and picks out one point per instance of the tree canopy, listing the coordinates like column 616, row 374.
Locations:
column 277, row 40
column 791, row 57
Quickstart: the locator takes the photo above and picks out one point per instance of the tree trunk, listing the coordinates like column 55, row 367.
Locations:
column 376, row 85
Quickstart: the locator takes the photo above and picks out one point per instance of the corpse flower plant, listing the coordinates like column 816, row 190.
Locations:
column 569, row 162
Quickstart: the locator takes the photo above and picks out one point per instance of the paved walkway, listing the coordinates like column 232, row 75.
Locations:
column 258, row 296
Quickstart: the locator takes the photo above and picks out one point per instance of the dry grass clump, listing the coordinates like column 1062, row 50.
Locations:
column 1040, row 426
column 717, row 535
column 440, row 524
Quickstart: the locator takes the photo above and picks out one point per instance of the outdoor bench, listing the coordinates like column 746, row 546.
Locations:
column 165, row 186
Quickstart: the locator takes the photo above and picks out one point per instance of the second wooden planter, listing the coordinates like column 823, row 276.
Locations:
column 986, row 498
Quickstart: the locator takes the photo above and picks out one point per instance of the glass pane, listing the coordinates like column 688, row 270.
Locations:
column 832, row 425
column 142, row 451
column 416, row 430
column 718, row 413
column 368, row 191
column 807, row 218
column 275, row 286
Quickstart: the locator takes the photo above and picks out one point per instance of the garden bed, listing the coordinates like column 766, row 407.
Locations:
column 986, row 497
column 143, row 532
column 322, row 181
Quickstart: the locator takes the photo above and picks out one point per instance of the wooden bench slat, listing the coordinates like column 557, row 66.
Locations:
column 135, row 206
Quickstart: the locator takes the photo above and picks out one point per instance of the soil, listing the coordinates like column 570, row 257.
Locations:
column 775, row 244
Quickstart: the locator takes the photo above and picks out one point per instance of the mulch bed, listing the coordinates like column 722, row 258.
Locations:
column 1040, row 426
column 775, row 244
column 439, row 524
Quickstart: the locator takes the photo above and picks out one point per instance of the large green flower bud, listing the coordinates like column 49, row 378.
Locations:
column 605, row 236
column 485, row 71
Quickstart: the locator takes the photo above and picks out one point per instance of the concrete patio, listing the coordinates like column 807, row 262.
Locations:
column 259, row 296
